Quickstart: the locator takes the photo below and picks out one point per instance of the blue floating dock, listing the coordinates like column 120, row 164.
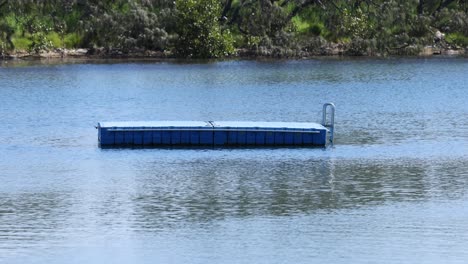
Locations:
column 215, row 133
column 211, row 133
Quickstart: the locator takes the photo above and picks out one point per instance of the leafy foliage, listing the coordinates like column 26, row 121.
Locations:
column 214, row 28
column 40, row 40
column 457, row 39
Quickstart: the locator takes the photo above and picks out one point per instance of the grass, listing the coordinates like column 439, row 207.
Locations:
column 302, row 26
column 54, row 37
column 70, row 41
column 21, row 43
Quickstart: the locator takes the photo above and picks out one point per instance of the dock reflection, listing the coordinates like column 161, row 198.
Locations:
column 206, row 190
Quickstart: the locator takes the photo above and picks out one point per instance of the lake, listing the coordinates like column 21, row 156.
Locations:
column 393, row 188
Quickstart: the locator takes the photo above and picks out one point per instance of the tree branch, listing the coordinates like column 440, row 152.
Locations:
column 3, row 3
column 420, row 7
column 227, row 8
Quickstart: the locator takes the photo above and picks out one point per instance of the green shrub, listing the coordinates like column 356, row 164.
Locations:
column 54, row 39
column 21, row 43
column 72, row 40
column 300, row 25
column 39, row 37
column 316, row 29
column 457, row 39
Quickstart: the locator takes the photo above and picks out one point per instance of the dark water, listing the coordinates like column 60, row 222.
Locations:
column 392, row 189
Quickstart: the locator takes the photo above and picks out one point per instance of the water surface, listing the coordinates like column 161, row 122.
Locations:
column 392, row 189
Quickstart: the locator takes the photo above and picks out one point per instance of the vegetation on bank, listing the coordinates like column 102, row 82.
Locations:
column 219, row 28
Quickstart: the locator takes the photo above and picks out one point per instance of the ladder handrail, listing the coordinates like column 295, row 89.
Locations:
column 332, row 118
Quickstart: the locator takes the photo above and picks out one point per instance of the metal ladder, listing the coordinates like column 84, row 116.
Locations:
column 331, row 125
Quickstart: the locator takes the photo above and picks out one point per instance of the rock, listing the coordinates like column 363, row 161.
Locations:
column 82, row 51
column 76, row 52
column 152, row 53
column 453, row 52
column 50, row 54
column 439, row 36
column 427, row 51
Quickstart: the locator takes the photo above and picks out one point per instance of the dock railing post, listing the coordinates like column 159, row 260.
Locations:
column 331, row 125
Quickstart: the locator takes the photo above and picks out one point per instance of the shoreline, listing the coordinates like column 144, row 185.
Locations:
column 101, row 54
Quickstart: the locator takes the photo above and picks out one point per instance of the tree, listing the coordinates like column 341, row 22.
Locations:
column 199, row 32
